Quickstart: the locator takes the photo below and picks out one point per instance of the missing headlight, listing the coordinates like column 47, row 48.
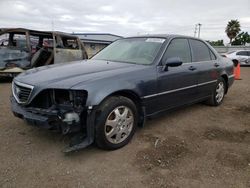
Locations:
column 80, row 98
column 63, row 97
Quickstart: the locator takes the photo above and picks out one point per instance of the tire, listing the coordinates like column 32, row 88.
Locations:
column 116, row 123
column 218, row 93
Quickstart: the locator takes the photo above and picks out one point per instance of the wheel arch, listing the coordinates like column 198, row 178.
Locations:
column 133, row 96
column 225, row 77
column 235, row 61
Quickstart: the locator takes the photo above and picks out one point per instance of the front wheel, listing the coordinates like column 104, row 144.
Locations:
column 116, row 123
column 218, row 93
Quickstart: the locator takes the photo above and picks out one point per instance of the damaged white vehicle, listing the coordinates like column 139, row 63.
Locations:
column 22, row 49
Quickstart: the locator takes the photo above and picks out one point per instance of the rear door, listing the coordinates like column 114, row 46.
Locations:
column 208, row 67
column 67, row 49
column 177, row 85
column 248, row 59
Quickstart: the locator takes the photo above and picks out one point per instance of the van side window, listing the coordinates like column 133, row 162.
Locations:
column 70, row 43
column 200, row 51
column 178, row 48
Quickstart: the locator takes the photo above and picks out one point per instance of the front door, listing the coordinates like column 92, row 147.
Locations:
column 177, row 85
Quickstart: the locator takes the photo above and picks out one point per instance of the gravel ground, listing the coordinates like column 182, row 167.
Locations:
column 196, row 146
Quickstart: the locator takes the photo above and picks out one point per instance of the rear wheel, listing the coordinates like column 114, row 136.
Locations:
column 116, row 123
column 218, row 93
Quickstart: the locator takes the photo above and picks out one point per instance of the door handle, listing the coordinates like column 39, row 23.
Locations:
column 216, row 64
column 192, row 68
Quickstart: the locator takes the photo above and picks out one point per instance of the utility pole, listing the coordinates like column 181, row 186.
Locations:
column 195, row 30
column 199, row 29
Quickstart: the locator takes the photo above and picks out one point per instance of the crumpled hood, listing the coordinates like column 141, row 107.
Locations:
column 70, row 74
column 13, row 55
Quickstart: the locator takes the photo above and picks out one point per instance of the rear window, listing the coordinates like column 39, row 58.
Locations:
column 200, row 51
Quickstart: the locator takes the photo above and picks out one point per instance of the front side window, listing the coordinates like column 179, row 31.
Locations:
column 200, row 51
column 132, row 50
column 178, row 48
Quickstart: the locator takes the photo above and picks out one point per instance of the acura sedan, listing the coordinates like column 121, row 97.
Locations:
column 104, row 99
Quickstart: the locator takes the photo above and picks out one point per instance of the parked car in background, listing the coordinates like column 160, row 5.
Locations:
column 243, row 56
column 105, row 98
column 22, row 49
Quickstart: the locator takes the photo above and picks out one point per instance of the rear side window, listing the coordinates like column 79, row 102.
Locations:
column 242, row 53
column 213, row 57
column 200, row 51
column 178, row 48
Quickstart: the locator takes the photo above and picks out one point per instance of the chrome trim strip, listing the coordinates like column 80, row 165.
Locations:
column 231, row 76
column 170, row 91
column 205, row 83
column 22, row 85
column 175, row 90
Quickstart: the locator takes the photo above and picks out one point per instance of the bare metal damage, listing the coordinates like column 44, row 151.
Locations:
column 9, row 56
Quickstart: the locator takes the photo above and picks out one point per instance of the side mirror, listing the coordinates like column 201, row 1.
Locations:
column 172, row 62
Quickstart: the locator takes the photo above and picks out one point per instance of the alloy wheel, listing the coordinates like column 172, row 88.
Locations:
column 220, row 91
column 119, row 124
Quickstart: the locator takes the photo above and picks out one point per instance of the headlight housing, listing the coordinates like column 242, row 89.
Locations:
column 60, row 97
column 76, row 98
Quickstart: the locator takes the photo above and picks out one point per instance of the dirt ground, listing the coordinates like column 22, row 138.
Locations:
column 197, row 146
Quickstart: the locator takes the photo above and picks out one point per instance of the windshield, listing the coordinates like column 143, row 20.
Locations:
column 13, row 41
column 132, row 50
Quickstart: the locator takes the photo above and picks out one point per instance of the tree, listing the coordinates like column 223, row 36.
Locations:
column 216, row 43
column 232, row 29
column 241, row 39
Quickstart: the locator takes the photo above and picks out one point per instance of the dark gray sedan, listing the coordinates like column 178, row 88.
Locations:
column 105, row 98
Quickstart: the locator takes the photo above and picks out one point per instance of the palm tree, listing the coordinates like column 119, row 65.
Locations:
column 232, row 29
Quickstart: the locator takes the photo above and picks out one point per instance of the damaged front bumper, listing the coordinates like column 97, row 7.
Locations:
column 53, row 119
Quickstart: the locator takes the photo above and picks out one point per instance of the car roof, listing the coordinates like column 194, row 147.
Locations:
column 166, row 36
column 235, row 51
column 34, row 32
column 240, row 50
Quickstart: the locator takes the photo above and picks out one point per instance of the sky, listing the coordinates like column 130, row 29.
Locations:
column 127, row 17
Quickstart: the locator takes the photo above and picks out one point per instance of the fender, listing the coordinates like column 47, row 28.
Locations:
column 95, row 97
